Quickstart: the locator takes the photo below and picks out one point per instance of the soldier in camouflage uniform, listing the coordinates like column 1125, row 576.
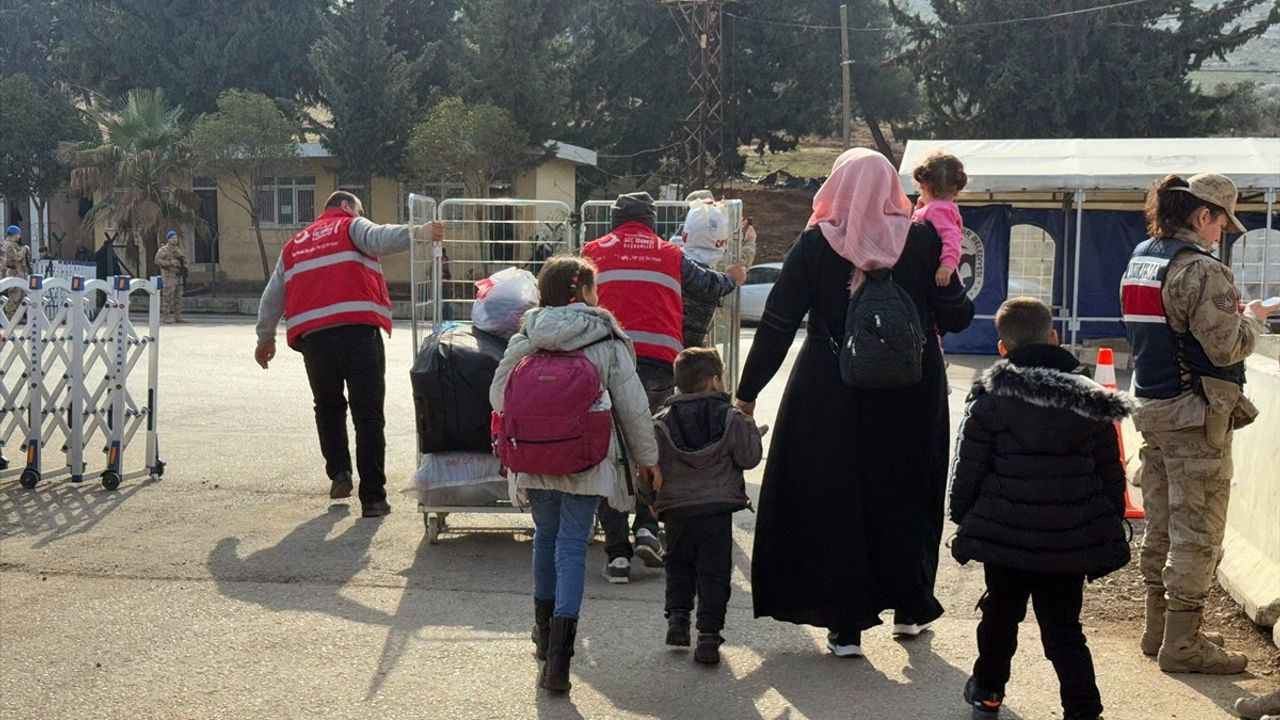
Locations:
column 15, row 261
column 1190, row 337
column 172, row 261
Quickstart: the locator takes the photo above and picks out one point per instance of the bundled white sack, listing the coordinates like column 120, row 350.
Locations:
column 706, row 232
column 502, row 299
column 463, row 479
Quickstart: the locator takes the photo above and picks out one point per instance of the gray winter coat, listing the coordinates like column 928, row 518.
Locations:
column 705, row 444
column 575, row 327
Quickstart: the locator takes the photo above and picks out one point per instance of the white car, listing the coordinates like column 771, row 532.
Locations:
column 760, row 280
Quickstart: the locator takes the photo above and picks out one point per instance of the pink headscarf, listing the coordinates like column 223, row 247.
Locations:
column 862, row 212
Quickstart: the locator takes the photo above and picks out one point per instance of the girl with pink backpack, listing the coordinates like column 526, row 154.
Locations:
column 566, row 378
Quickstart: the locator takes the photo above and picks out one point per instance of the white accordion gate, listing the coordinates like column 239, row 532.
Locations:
column 76, row 382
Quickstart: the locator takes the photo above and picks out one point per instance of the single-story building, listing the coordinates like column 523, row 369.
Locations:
column 228, row 250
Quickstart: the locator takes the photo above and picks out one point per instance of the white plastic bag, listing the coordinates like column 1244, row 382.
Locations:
column 452, row 469
column 706, row 232
column 458, row 478
column 502, row 299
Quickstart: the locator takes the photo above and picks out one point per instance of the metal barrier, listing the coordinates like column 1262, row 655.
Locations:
column 726, row 328
column 422, row 253
column 484, row 236
column 65, row 374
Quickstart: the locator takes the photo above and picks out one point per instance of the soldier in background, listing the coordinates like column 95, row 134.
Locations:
column 15, row 261
column 172, row 262
column 1190, row 337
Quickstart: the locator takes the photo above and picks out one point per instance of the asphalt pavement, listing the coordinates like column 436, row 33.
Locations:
column 234, row 588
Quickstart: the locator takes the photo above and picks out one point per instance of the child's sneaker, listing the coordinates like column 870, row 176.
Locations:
column 648, row 548
column 618, row 571
column 678, row 628
column 985, row 705
column 708, row 650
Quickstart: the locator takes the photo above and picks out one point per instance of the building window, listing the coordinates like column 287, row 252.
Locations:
column 1246, row 264
column 1031, row 260
column 359, row 188
column 438, row 191
column 286, row 201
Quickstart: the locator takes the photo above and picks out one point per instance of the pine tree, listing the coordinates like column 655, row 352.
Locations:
column 368, row 88
column 1116, row 72
column 515, row 59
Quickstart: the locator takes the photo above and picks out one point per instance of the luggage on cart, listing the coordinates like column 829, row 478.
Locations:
column 451, row 379
column 460, row 479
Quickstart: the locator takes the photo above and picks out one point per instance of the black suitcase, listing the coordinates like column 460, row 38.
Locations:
column 451, row 378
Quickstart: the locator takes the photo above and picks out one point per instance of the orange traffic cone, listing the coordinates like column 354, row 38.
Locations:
column 1105, row 375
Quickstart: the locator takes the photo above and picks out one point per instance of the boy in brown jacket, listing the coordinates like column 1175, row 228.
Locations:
column 704, row 445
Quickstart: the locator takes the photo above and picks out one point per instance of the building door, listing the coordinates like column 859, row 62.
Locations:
column 206, row 238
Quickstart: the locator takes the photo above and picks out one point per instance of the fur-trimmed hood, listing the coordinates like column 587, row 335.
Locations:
column 1053, row 388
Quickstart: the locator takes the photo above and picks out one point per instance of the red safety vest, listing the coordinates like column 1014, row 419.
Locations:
column 639, row 282
column 328, row 281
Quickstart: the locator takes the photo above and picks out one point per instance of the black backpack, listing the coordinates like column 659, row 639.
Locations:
column 883, row 343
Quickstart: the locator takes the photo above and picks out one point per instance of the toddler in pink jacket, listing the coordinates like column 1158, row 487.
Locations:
column 940, row 178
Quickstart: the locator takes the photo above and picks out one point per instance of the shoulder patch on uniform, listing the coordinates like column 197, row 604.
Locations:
column 1225, row 302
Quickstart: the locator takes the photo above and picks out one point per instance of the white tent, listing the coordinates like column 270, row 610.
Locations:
column 1103, row 165
column 1131, row 164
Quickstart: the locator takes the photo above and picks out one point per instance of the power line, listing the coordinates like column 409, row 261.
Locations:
column 987, row 23
column 638, row 153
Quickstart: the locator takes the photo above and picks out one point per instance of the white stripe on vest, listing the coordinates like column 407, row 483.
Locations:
column 330, row 260
column 649, row 338
column 648, row 276
column 338, row 309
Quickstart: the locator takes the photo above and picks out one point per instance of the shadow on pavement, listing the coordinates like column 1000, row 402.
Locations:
column 59, row 509
column 1223, row 690
column 306, row 554
column 810, row 681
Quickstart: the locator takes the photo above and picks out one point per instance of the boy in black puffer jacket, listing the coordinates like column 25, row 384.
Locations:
column 1038, row 493
column 704, row 444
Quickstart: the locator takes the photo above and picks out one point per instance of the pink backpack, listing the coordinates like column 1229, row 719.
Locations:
column 553, row 421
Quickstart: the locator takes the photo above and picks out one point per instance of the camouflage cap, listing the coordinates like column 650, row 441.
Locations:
column 1219, row 190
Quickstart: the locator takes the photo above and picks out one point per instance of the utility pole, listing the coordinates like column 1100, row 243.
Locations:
column 702, row 132
column 845, row 70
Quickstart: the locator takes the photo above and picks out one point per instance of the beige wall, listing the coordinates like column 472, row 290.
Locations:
column 238, row 255
column 554, row 179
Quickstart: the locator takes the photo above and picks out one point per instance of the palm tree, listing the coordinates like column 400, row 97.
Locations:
column 140, row 171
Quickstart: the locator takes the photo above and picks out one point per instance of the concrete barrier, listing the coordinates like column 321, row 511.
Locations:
column 1250, row 569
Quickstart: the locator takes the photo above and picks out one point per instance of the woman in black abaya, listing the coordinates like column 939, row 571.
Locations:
column 850, row 516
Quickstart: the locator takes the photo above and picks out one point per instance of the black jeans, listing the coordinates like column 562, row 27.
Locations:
column 1057, row 600
column 659, row 384
column 700, row 562
column 350, row 356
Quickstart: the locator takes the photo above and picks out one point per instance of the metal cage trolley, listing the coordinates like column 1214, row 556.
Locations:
column 481, row 237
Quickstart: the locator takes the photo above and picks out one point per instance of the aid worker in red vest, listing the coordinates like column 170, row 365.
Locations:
column 643, row 281
column 329, row 289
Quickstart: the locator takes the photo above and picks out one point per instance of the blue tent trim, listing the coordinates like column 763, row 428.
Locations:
column 1108, row 238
